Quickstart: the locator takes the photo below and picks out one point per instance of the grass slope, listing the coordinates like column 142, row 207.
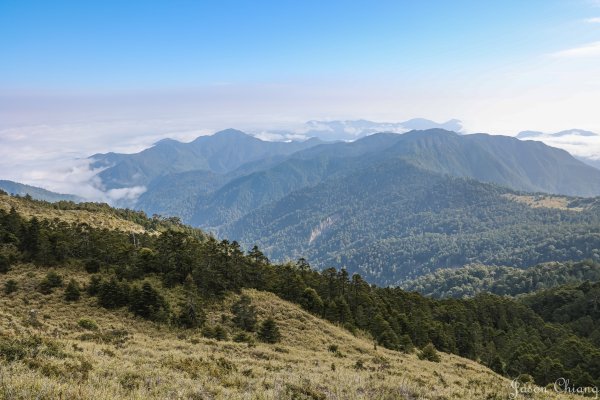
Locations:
column 129, row 358
column 21, row 189
column 43, row 210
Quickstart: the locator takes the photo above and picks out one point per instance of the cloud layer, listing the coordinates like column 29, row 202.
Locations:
column 587, row 50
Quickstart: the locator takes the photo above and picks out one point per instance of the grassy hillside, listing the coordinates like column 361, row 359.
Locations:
column 43, row 210
column 95, row 215
column 20, row 189
column 127, row 357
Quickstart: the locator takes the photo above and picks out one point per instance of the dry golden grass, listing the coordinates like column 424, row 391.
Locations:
column 543, row 201
column 94, row 219
column 157, row 362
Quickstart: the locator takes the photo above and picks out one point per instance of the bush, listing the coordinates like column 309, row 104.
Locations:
column 190, row 315
column 118, row 337
column 243, row 337
column 88, row 324
column 51, row 281
column 72, row 292
column 29, row 347
column 269, row 331
column 10, row 286
column 429, row 353
column 214, row 332
column 92, row 266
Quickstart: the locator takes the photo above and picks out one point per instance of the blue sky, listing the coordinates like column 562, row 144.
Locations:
column 132, row 45
column 80, row 77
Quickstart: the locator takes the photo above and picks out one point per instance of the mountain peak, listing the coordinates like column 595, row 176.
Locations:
column 432, row 131
column 232, row 133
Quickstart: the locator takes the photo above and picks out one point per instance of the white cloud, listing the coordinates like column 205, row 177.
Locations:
column 582, row 146
column 54, row 156
column 595, row 20
column 278, row 136
column 588, row 50
column 126, row 194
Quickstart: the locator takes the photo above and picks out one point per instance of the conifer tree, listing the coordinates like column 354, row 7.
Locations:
column 269, row 331
column 311, row 301
column 72, row 291
column 244, row 314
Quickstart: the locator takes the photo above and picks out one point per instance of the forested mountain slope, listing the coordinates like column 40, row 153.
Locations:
column 182, row 282
column 397, row 206
column 394, row 221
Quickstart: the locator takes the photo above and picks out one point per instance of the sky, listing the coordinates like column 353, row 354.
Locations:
column 80, row 77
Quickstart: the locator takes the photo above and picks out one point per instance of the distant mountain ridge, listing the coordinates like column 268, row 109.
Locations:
column 528, row 166
column 332, row 130
column 37, row 193
column 573, row 132
column 220, row 153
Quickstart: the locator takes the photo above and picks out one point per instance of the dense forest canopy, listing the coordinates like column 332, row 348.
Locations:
column 394, row 221
column 505, row 281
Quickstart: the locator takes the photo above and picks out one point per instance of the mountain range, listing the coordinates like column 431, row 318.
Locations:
column 390, row 206
column 222, row 152
column 354, row 129
column 570, row 132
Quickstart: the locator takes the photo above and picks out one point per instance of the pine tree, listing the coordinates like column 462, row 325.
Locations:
column 72, row 291
column 10, row 286
column 257, row 256
column 113, row 294
column 269, row 331
column 94, row 285
column 244, row 314
column 220, row 333
column 92, row 266
column 147, row 302
column 311, row 301
column 31, row 238
column 190, row 314
column 4, row 264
